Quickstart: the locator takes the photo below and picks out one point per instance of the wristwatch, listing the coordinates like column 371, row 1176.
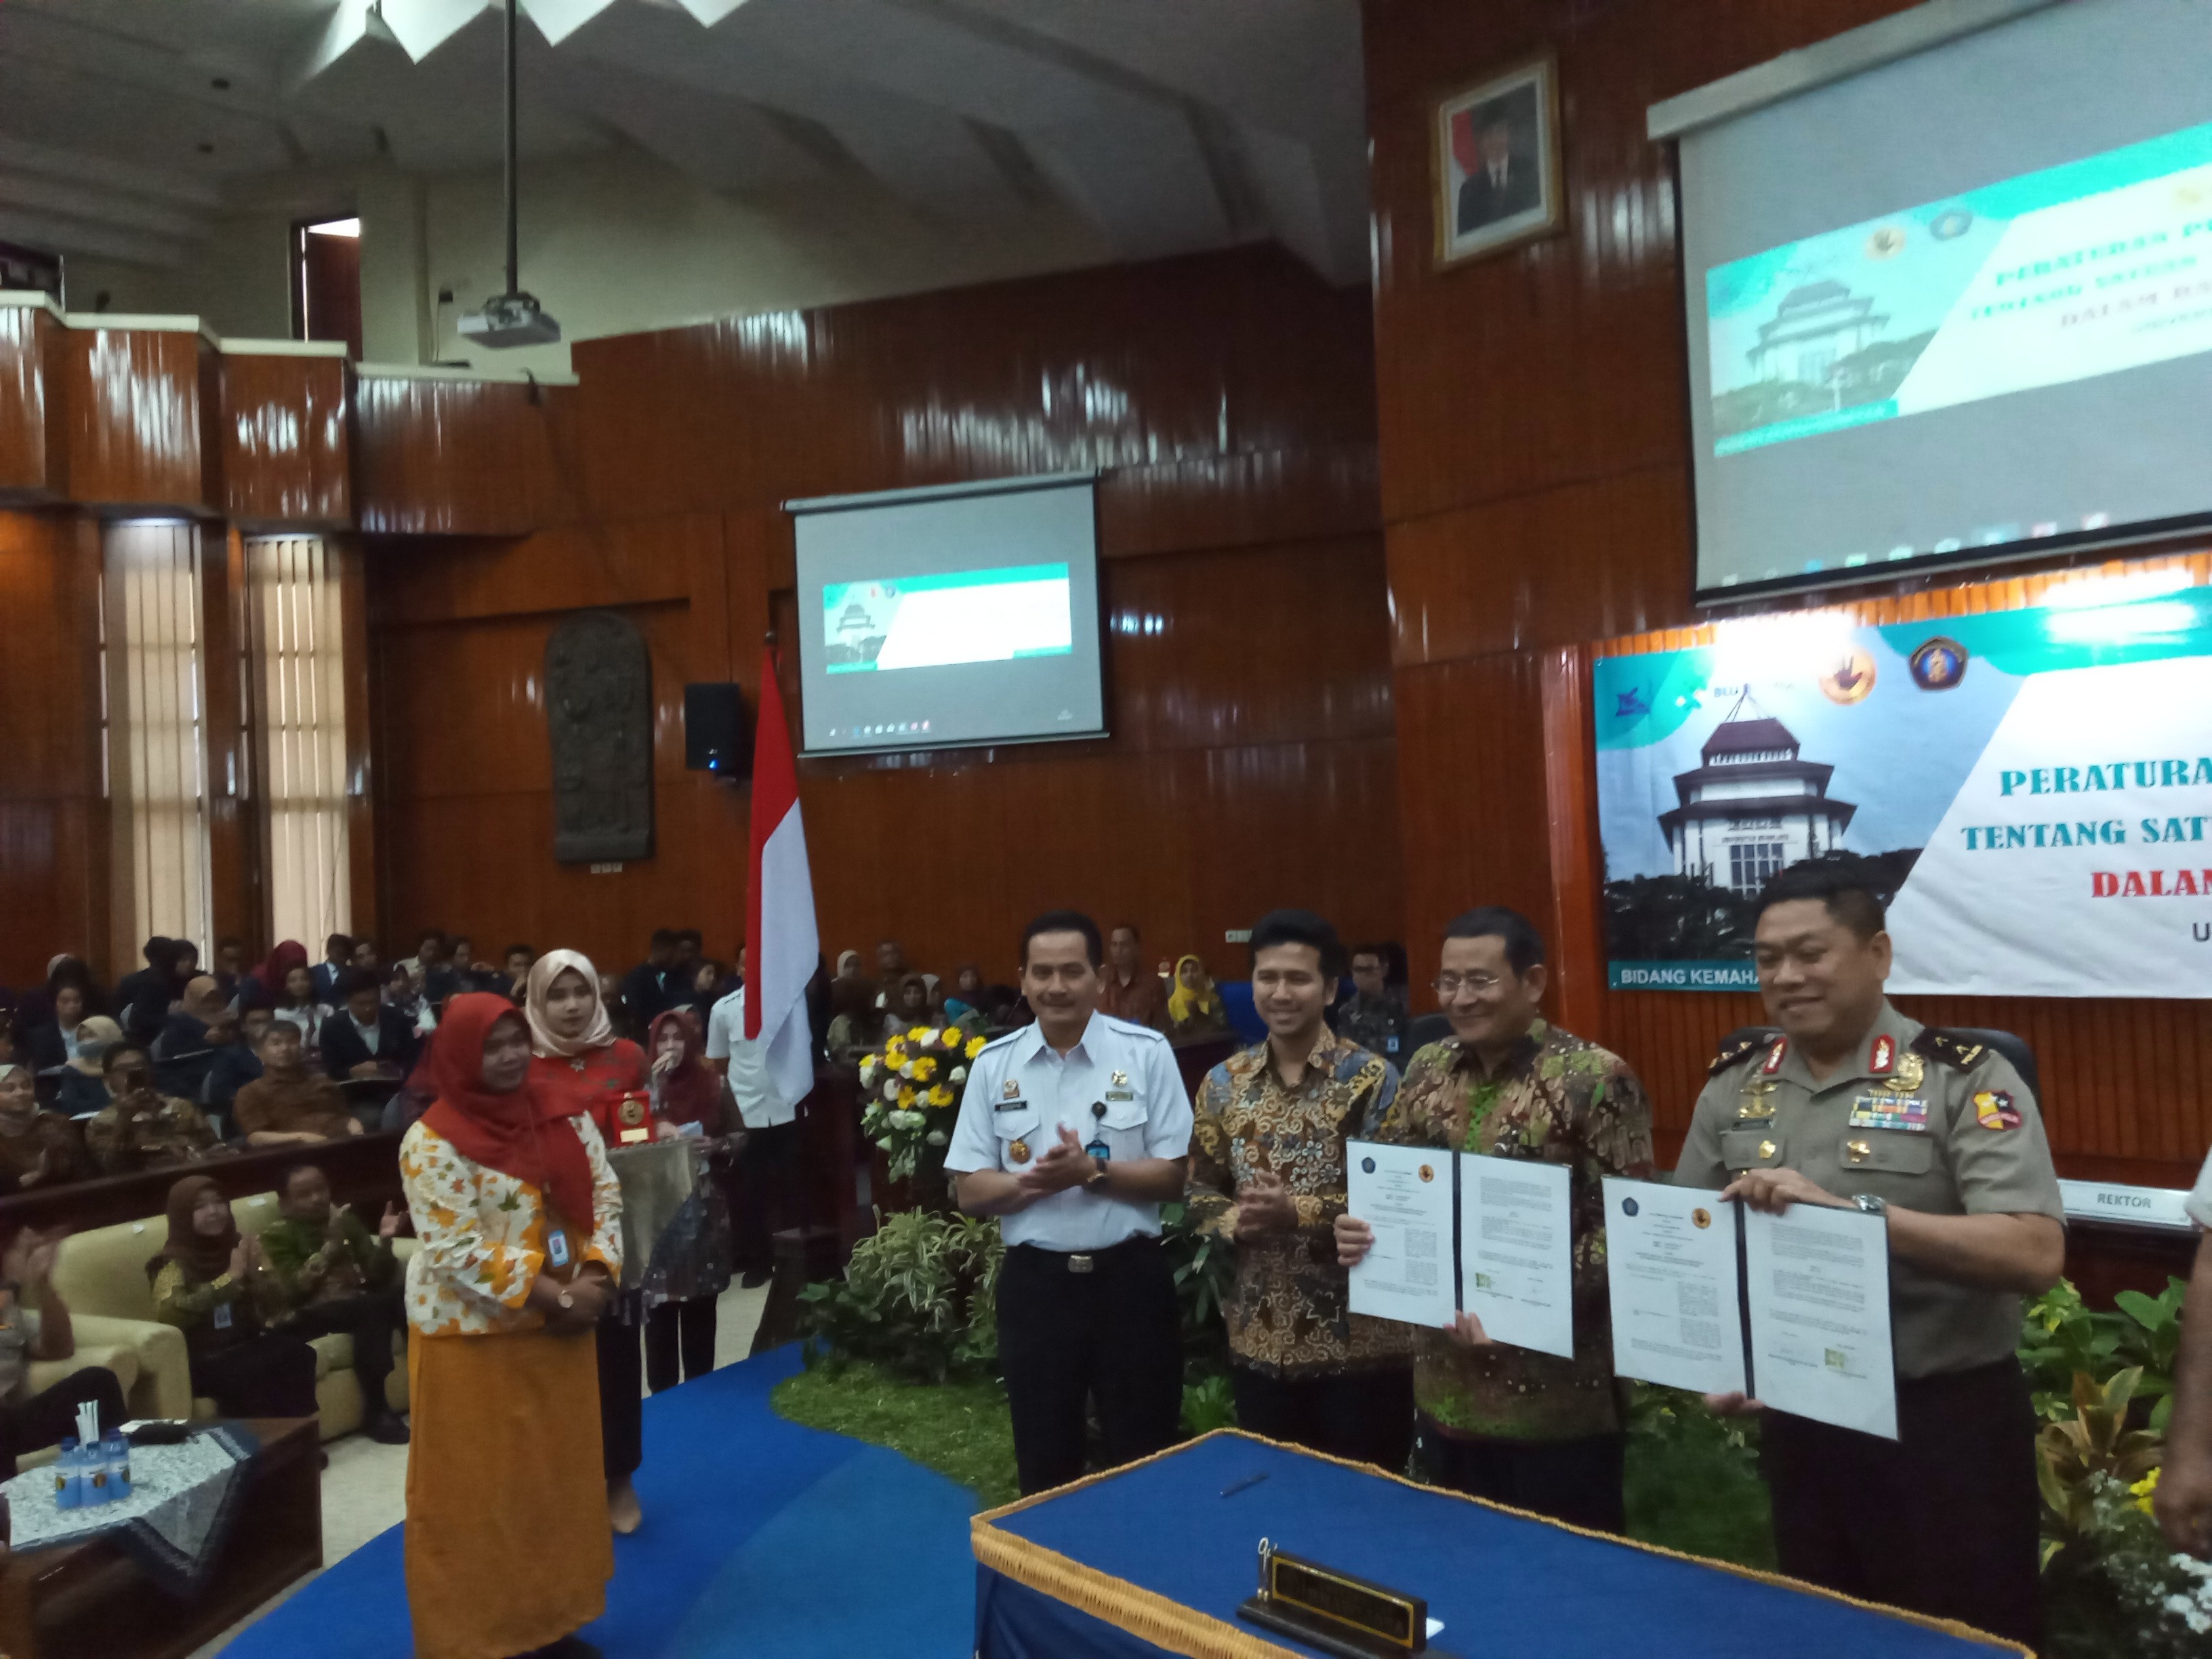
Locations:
column 1096, row 1180
column 566, row 1299
column 1868, row 1204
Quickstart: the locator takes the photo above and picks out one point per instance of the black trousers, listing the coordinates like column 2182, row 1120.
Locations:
column 1365, row 1416
column 42, row 1421
column 1577, row 1481
column 621, row 1394
column 767, row 1200
column 1112, row 1335
column 370, row 1320
column 266, row 1374
column 1942, row 1521
column 679, row 1331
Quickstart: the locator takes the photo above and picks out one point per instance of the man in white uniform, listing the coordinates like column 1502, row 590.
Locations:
column 768, row 1166
column 2182, row 1501
column 1074, row 1131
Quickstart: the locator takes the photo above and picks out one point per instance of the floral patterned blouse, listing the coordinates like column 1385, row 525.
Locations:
column 1287, row 1315
column 481, row 1236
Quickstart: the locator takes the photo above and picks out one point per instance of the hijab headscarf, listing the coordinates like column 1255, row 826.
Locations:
column 203, row 999
column 94, row 1033
column 543, row 1041
column 517, row 1134
column 690, row 1093
column 845, row 956
column 203, row 1257
column 281, row 961
column 1183, row 1002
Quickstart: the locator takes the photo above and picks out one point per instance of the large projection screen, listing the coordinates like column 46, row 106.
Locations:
column 934, row 619
column 1956, row 305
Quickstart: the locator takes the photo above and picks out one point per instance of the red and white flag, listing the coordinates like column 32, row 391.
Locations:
column 779, row 904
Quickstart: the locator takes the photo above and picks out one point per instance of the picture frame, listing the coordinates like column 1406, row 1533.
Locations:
column 1494, row 163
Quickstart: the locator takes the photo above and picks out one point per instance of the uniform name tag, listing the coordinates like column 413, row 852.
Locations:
column 556, row 1249
column 222, row 1315
column 1889, row 1112
column 1120, row 1094
column 1010, row 1106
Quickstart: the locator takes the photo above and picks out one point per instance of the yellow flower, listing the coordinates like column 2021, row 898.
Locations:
column 2142, row 1490
column 924, row 1069
column 940, row 1096
column 906, row 1100
column 975, row 1045
column 918, row 1037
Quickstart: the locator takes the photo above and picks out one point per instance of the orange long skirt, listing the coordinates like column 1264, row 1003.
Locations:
column 507, row 1542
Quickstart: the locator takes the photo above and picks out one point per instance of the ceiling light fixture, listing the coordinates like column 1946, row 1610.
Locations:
column 512, row 318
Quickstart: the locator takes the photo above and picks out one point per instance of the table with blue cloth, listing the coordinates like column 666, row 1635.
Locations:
column 1153, row 1558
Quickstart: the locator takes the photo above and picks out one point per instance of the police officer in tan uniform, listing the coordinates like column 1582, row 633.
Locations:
column 1855, row 1105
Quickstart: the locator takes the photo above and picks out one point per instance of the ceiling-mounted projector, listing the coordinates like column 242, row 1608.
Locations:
column 510, row 319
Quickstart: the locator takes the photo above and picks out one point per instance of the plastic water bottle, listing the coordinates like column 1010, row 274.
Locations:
column 69, row 1476
column 119, row 1468
column 96, row 1488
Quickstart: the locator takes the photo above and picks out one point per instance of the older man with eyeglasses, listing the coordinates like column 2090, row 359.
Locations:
column 1510, row 1425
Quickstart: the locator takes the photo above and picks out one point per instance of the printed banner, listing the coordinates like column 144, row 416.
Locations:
column 2033, row 788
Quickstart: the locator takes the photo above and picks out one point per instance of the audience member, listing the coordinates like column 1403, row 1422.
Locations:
column 1376, row 1016
column 519, row 1220
column 710, row 984
column 34, row 1324
column 330, row 1275
column 213, row 1285
column 618, row 1015
column 291, row 1103
column 370, row 1038
column 645, row 988
column 849, row 964
column 679, row 1333
column 72, row 995
column 402, row 994
column 229, row 967
column 83, row 1087
column 518, row 961
column 143, row 999
column 579, row 1068
column 911, row 1009
column 267, row 980
column 185, row 1050
column 337, row 957
column 1129, row 990
column 1194, row 1007
column 858, row 1023
column 690, row 945
column 37, row 1149
column 365, row 956
column 768, row 1163
column 469, row 974
column 237, row 1064
column 141, row 1129
column 891, row 962
column 964, row 1007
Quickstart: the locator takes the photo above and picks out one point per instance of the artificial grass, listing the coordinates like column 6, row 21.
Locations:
column 960, row 1430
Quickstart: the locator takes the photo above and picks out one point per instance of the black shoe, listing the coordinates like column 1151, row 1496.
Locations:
column 386, row 1429
column 754, row 1279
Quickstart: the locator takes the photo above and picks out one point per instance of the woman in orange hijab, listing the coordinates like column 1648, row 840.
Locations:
column 519, row 1223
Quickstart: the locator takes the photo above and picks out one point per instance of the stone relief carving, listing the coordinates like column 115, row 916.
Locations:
column 598, row 714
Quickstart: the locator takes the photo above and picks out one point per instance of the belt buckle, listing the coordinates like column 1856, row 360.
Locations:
column 1078, row 1264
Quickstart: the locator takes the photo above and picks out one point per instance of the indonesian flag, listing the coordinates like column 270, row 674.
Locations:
column 780, row 903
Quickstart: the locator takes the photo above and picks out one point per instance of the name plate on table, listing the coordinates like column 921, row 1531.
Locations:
column 1334, row 1611
column 2141, row 1206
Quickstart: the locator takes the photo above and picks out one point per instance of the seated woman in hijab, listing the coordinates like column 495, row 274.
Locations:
column 191, row 1038
column 37, row 1149
column 214, row 1286
column 141, row 1129
column 964, row 1007
column 83, row 1088
column 910, row 1006
column 679, row 1331
column 580, row 1067
column 1194, row 1007
column 857, row 1025
column 518, row 1220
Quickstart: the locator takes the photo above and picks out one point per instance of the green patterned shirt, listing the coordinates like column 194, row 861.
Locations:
column 1564, row 1101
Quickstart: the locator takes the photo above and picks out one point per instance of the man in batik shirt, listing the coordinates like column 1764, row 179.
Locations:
column 1267, row 1175
column 1511, row 1425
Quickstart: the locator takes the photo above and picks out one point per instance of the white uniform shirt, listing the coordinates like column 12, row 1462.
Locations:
column 1119, row 1082
column 2199, row 1201
column 750, row 1085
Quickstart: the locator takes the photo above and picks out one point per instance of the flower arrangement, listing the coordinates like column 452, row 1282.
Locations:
column 911, row 1091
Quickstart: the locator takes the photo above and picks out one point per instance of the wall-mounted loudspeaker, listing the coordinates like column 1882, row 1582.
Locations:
column 718, row 734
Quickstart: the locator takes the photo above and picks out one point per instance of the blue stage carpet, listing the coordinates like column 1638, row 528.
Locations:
column 762, row 1539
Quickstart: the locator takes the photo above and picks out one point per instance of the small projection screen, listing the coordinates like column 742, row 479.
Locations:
column 938, row 619
column 1955, row 302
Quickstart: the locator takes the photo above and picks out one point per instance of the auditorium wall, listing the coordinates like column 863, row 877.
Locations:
column 1228, row 402
column 1534, row 473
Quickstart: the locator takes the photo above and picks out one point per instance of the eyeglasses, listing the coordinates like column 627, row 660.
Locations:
column 1448, row 986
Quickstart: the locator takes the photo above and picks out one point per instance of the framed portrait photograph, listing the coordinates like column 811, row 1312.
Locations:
column 1495, row 157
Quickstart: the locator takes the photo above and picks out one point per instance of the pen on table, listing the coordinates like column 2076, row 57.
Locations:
column 1245, row 1484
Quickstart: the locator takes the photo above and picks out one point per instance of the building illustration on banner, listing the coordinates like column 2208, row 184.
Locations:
column 1753, row 805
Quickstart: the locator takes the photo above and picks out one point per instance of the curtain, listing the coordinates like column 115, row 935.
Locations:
column 157, row 748
column 299, row 693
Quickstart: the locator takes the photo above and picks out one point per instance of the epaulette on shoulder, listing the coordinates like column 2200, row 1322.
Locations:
column 1735, row 1052
column 1949, row 1048
column 1002, row 1041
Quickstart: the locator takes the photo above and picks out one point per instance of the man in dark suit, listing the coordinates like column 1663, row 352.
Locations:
column 1505, row 181
column 370, row 1039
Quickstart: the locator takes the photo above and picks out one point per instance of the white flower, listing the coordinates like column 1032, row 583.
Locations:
column 2197, row 1622
column 885, row 1143
column 937, row 1137
column 958, row 1074
column 908, row 1119
column 2180, row 1606
column 929, row 1038
column 868, row 1070
column 907, row 1070
column 891, row 1087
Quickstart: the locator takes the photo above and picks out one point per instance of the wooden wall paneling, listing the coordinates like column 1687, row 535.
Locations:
column 1575, row 927
column 287, row 451
column 463, row 457
column 53, row 815
column 634, row 562
column 134, row 406
column 1236, row 501
column 237, row 830
column 34, row 455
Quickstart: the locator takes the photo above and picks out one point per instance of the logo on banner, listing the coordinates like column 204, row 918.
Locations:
column 1938, row 665
column 1850, row 680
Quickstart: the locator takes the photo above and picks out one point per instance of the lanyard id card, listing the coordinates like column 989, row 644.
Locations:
column 223, row 1311
column 556, row 1247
